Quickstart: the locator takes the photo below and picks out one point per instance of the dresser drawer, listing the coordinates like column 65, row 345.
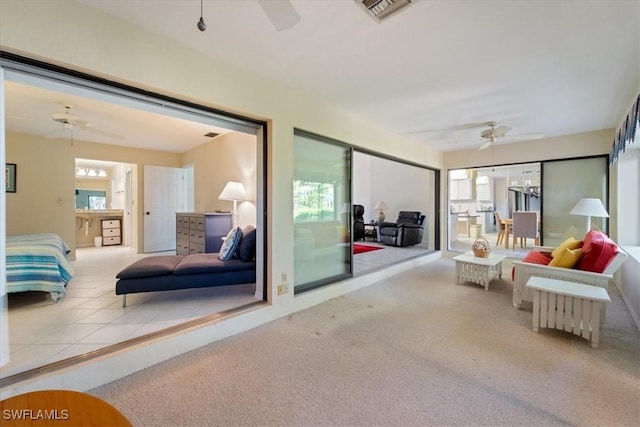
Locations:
column 182, row 247
column 196, row 237
column 195, row 248
column 182, row 233
column 196, row 223
column 110, row 232
column 115, row 240
column 110, row 223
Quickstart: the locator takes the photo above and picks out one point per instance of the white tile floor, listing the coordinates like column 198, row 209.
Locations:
column 91, row 316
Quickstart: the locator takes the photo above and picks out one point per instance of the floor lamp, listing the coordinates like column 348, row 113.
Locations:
column 589, row 208
column 234, row 191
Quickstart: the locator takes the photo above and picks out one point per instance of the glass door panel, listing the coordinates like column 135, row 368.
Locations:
column 564, row 183
column 321, row 211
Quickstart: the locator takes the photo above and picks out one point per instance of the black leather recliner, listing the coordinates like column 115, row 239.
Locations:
column 358, row 222
column 406, row 231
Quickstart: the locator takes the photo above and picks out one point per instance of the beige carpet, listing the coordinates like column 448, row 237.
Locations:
column 411, row 350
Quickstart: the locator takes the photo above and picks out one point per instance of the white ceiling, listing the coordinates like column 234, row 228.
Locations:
column 434, row 72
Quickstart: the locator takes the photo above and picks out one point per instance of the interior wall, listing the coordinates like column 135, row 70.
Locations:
column 44, row 201
column 170, row 68
column 361, row 185
column 228, row 157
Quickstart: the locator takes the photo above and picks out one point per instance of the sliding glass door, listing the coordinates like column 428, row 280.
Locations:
column 321, row 211
column 564, row 184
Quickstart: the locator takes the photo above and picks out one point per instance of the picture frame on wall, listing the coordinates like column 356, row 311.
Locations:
column 10, row 177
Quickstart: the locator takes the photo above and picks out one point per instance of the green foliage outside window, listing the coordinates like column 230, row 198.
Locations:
column 313, row 201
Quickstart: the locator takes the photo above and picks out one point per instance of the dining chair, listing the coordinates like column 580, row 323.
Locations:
column 525, row 225
column 502, row 228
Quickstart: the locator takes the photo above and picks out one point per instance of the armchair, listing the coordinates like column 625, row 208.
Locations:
column 358, row 222
column 600, row 260
column 408, row 229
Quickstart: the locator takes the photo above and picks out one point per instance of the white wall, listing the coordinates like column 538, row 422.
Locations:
column 74, row 36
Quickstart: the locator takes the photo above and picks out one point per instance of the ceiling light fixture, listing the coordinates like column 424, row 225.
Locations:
column 81, row 172
column 92, row 172
column 201, row 25
column 102, row 173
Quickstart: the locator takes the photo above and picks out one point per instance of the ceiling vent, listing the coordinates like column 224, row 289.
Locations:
column 380, row 10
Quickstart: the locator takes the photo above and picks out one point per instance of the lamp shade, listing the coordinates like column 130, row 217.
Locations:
column 590, row 207
column 233, row 191
column 381, row 205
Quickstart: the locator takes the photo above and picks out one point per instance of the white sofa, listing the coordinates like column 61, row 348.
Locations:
column 524, row 270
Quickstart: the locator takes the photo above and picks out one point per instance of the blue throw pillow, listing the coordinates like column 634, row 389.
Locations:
column 247, row 247
column 230, row 244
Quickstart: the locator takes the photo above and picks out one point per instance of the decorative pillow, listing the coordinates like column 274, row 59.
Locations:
column 230, row 244
column 567, row 258
column 599, row 251
column 533, row 257
column 247, row 247
column 570, row 243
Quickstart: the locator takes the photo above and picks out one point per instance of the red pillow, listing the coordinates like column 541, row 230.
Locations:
column 598, row 250
column 533, row 257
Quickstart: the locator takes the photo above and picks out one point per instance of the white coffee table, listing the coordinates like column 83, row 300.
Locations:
column 470, row 268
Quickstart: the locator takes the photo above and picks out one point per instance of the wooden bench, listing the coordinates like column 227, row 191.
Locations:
column 568, row 306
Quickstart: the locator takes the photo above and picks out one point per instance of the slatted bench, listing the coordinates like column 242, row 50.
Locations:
column 568, row 306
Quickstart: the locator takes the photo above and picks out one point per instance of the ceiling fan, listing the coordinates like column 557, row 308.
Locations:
column 67, row 121
column 492, row 134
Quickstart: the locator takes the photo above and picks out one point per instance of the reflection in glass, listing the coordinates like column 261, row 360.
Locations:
column 322, row 231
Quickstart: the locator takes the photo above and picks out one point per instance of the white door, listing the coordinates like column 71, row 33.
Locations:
column 163, row 197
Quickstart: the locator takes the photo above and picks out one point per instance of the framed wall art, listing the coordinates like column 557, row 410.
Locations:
column 10, row 177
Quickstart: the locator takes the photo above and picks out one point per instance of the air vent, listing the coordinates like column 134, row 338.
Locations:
column 211, row 134
column 380, row 10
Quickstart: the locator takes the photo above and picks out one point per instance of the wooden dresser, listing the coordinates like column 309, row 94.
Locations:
column 201, row 232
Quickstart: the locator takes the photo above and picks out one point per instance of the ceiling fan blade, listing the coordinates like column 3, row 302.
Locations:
column 523, row 137
column 485, row 145
column 281, row 13
column 87, row 127
column 501, row 130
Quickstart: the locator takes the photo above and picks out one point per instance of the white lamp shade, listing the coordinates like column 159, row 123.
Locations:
column 233, row 191
column 381, row 205
column 590, row 207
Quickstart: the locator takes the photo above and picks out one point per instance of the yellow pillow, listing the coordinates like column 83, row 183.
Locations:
column 567, row 258
column 570, row 243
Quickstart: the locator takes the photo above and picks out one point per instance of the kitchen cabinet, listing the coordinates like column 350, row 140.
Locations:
column 460, row 189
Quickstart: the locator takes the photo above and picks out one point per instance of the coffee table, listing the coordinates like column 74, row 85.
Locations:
column 569, row 306
column 470, row 268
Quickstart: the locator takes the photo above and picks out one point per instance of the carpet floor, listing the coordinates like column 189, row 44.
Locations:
column 411, row 350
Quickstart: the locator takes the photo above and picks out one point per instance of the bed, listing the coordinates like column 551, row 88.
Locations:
column 38, row 262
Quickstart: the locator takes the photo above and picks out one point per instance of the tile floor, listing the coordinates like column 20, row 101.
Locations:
column 91, row 316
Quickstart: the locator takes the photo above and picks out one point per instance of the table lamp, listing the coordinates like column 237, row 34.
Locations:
column 235, row 192
column 589, row 207
column 381, row 207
